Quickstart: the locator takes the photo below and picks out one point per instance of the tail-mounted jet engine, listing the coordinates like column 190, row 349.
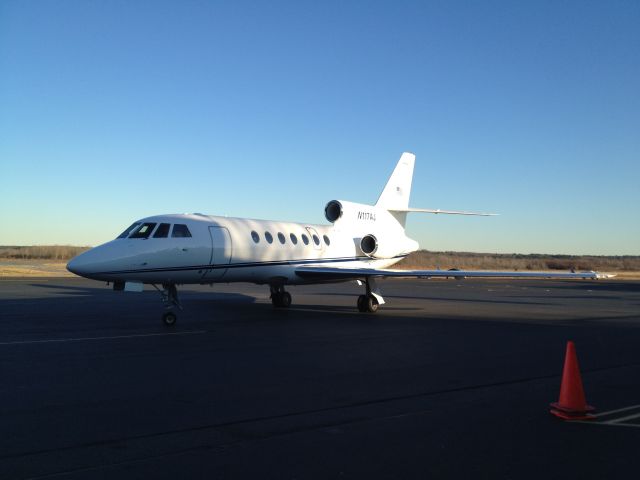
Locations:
column 369, row 245
column 333, row 211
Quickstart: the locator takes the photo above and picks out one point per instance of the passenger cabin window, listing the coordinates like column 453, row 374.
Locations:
column 255, row 236
column 162, row 231
column 281, row 238
column 126, row 233
column 326, row 240
column 305, row 240
column 143, row 231
column 316, row 240
column 293, row 238
column 268, row 237
column 180, row 231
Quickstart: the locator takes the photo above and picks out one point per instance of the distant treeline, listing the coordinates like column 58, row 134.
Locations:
column 41, row 252
column 516, row 261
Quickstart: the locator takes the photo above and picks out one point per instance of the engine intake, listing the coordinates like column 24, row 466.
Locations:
column 369, row 245
column 333, row 210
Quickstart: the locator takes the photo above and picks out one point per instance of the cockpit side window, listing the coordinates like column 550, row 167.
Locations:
column 180, row 231
column 126, row 233
column 143, row 231
column 162, row 231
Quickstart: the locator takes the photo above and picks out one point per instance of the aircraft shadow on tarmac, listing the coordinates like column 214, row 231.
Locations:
column 70, row 289
column 228, row 302
column 195, row 303
column 207, row 297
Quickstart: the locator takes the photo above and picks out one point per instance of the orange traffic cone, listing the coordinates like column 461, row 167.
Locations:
column 572, row 405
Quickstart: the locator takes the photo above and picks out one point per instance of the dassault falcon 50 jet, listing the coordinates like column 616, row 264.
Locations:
column 360, row 243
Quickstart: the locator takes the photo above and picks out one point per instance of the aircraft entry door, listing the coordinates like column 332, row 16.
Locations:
column 221, row 251
column 315, row 238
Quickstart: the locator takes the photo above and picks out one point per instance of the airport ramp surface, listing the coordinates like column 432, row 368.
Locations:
column 450, row 379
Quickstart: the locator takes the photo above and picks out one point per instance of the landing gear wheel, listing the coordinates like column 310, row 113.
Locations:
column 280, row 298
column 169, row 319
column 367, row 304
column 372, row 304
column 362, row 303
column 285, row 300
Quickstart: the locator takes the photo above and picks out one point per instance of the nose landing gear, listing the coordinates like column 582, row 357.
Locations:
column 169, row 296
column 169, row 318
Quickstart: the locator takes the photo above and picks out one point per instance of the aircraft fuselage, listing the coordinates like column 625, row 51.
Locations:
column 222, row 249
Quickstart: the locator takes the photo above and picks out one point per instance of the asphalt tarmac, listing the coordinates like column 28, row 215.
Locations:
column 450, row 379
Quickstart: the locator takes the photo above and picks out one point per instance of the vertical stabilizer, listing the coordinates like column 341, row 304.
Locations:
column 395, row 195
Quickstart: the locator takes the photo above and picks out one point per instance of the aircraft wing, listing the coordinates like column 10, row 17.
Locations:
column 336, row 273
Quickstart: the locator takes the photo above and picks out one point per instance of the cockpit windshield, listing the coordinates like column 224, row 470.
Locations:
column 126, row 233
column 162, row 231
column 143, row 231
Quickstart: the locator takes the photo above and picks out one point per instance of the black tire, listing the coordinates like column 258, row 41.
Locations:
column 285, row 299
column 281, row 300
column 362, row 303
column 169, row 319
column 371, row 304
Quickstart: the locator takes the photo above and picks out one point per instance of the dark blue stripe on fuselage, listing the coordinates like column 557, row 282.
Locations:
column 273, row 263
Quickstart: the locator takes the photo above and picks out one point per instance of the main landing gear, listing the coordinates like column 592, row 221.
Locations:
column 279, row 297
column 369, row 302
column 169, row 296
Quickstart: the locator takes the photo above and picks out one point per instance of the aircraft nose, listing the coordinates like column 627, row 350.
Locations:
column 78, row 266
column 87, row 263
column 96, row 262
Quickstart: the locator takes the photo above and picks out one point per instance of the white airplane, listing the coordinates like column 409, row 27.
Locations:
column 360, row 244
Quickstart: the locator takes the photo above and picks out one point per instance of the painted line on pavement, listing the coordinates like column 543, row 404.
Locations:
column 623, row 419
column 615, row 422
column 115, row 337
column 618, row 410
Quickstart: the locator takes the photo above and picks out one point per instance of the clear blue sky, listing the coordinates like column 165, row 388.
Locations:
column 115, row 110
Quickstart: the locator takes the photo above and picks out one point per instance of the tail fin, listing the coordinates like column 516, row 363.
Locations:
column 395, row 195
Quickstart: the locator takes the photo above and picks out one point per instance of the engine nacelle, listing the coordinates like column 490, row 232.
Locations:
column 333, row 210
column 369, row 245
column 373, row 248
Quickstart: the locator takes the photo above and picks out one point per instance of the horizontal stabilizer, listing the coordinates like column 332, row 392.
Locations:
column 444, row 212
